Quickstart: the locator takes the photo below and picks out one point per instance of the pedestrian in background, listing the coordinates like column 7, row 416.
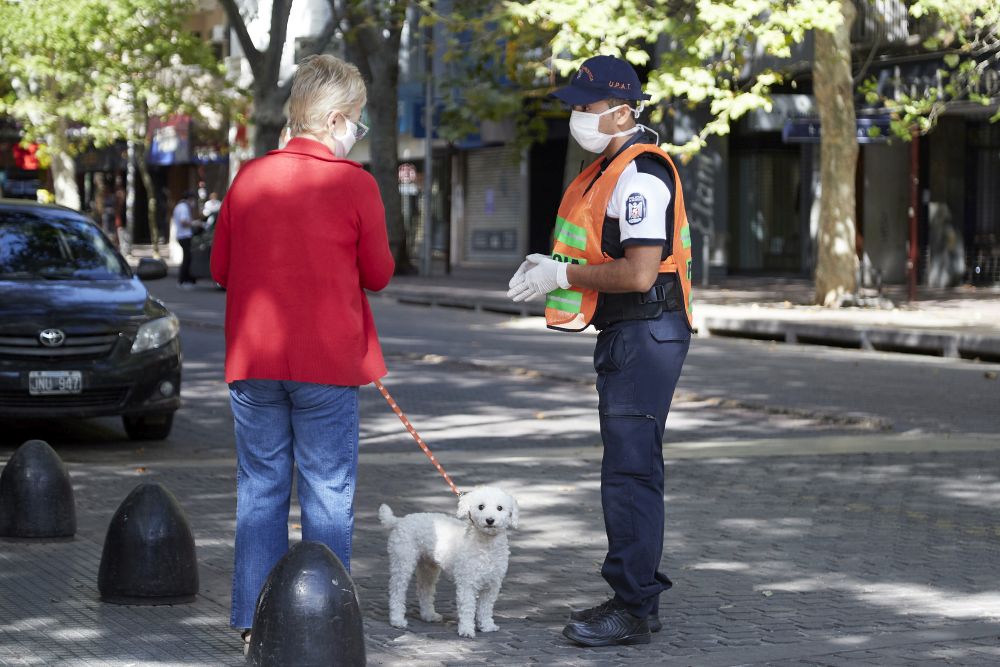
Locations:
column 300, row 236
column 622, row 262
column 184, row 226
column 210, row 210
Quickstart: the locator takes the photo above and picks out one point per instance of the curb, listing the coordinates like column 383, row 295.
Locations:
column 487, row 304
column 938, row 343
column 948, row 344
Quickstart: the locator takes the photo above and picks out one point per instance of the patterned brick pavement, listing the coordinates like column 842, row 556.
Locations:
column 806, row 559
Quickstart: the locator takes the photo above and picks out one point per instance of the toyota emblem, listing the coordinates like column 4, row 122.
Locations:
column 52, row 338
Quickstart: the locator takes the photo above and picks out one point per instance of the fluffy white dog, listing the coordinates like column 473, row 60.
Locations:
column 472, row 549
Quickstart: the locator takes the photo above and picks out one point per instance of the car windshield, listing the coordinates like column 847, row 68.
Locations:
column 54, row 246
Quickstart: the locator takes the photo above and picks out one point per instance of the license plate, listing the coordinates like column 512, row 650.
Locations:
column 41, row 383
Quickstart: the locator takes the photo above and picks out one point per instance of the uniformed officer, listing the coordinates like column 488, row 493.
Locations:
column 621, row 261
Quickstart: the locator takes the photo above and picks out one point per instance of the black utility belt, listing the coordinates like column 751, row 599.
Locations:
column 665, row 295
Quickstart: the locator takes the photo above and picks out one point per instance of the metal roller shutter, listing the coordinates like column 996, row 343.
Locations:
column 983, row 246
column 494, row 206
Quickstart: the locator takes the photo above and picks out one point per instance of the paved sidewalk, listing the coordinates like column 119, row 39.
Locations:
column 794, row 540
column 960, row 322
column 779, row 557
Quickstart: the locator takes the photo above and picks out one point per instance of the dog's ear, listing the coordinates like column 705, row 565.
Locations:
column 464, row 505
column 514, row 512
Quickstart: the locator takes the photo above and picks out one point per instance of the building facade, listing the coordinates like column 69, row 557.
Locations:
column 752, row 195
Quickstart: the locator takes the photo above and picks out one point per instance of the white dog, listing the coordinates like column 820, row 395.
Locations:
column 471, row 549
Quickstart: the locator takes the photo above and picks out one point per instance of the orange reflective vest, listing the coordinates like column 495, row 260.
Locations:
column 579, row 227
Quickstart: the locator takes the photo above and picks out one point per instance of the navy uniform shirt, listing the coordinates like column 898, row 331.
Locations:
column 641, row 210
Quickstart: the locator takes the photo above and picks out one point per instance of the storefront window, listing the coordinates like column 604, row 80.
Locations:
column 766, row 224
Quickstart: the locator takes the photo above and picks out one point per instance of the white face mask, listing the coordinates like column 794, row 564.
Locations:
column 584, row 128
column 345, row 143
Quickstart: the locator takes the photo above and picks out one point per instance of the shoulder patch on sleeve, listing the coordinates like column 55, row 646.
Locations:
column 635, row 208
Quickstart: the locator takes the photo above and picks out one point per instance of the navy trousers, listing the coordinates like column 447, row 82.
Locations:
column 638, row 363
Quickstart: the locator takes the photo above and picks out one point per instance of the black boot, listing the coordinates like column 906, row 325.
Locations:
column 612, row 626
column 587, row 614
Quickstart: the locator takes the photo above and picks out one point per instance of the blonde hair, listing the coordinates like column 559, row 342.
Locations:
column 323, row 84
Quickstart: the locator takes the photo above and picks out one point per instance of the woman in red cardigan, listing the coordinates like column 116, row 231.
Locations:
column 300, row 236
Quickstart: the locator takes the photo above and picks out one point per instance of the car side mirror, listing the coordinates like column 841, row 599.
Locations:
column 151, row 269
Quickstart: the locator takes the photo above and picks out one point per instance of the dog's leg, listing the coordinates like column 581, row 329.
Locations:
column 465, row 602
column 427, row 577
column 484, row 607
column 401, row 566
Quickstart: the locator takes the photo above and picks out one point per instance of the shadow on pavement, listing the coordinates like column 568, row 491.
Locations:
column 775, row 560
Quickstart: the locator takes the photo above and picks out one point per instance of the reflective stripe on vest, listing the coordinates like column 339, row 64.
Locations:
column 578, row 232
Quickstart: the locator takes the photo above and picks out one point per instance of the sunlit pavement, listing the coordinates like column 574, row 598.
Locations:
column 796, row 534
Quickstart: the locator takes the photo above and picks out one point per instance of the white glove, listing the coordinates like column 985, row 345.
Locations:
column 545, row 275
column 518, row 276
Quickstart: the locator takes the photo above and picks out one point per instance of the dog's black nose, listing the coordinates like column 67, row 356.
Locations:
column 489, row 522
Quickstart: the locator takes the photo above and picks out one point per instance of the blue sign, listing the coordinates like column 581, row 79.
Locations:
column 170, row 141
column 419, row 109
column 869, row 130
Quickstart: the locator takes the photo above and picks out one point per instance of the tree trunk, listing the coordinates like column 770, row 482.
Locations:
column 268, row 117
column 130, row 194
column 837, row 260
column 63, row 171
column 383, row 112
column 147, row 184
column 375, row 51
column 96, row 207
column 137, row 162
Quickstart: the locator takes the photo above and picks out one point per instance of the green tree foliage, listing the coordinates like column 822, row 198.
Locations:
column 967, row 34
column 368, row 32
column 719, row 55
column 707, row 52
column 90, row 72
column 728, row 56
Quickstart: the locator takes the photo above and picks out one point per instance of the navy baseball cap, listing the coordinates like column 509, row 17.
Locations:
column 600, row 78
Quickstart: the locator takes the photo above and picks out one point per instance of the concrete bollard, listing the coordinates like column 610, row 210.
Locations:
column 149, row 555
column 308, row 613
column 36, row 496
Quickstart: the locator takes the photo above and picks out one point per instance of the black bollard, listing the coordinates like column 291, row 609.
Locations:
column 308, row 613
column 149, row 556
column 36, row 496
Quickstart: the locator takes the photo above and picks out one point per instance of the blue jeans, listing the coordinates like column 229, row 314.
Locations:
column 280, row 423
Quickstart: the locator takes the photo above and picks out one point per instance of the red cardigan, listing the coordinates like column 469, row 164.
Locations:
column 300, row 233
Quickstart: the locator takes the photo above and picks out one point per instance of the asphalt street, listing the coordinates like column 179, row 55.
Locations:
column 823, row 506
column 910, row 393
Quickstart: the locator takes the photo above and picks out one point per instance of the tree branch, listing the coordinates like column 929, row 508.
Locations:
column 364, row 23
column 239, row 25
column 320, row 42
column 280, row 10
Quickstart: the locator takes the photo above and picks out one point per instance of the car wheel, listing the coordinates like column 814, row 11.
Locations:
column 148, row 427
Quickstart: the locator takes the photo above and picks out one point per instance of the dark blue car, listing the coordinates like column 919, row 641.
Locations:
column 79, row 334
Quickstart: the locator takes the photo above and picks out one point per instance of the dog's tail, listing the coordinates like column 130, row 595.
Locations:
column 386, row 516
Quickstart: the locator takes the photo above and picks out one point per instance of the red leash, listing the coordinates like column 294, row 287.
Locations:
column 416, row 436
